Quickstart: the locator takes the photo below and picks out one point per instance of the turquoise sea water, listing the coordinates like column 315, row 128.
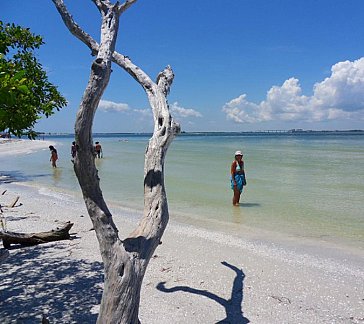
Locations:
column 299, row 185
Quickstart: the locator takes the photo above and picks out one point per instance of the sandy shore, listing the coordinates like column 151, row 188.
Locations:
column 196, row 275
column 17, row 146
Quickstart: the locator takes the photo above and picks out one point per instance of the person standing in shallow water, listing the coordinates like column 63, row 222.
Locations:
column 238, row 180
column 98, row 150
column 73, row 150
column 54, row 156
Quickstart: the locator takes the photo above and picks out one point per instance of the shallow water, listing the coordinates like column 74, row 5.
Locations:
column 299, row 185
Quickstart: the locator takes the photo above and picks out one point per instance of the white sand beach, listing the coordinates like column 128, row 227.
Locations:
column 17, row 146
column 195, row 276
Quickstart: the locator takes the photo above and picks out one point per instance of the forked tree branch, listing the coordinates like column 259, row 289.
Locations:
column 101, row 5
column 74, row 28
column 157, row 92
column 164, row 78
column 123, row 61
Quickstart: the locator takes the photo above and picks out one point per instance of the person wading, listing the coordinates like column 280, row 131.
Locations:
column 98, row 150
column 238, row 180
column 54, row 156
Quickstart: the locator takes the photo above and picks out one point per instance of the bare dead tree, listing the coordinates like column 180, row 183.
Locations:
column 125, row 260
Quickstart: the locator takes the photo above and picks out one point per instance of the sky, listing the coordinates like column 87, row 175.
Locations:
column 243, row 65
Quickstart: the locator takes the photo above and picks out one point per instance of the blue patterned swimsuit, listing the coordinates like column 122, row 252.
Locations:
column 239, row 178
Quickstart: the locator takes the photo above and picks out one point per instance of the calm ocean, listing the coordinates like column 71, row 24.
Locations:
column 308, row 185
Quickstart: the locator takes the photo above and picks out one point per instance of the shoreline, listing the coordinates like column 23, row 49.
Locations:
column 21, row 146
column 305, row 246
column 253, row 216
column 196, row 276
column 220, row 232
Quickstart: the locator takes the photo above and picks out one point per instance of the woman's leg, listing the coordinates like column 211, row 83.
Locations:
column 236, row 197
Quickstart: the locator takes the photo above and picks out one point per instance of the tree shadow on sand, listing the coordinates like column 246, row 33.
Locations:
column 232, row 306
column 16, row 176
column 42, row 280
column 11, row 176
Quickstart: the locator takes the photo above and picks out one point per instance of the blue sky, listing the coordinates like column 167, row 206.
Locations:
column 239, row 65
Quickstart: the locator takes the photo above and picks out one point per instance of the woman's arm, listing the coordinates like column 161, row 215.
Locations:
column 233, row 168
column 232, row 171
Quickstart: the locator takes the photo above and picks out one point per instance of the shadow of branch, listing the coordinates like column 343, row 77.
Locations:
column 232, row 305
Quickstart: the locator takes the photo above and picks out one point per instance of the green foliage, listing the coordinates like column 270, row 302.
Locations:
column 25, row 92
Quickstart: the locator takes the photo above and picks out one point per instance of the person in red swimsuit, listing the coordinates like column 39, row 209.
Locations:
column 54, row 156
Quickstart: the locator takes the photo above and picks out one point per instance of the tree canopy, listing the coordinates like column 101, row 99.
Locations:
column 25, row 92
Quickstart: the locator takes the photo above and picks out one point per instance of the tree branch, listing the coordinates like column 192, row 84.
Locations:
column 102, row 5
column 74, row 28
column 84, row 164
column 165, row 79
column 123, row 61
column 126, row 5
column 137, row 73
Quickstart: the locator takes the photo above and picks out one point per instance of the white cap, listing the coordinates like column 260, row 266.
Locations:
column 238, row 153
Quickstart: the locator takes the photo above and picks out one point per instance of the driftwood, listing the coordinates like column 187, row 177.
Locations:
column 28, row 239
column 12, row 205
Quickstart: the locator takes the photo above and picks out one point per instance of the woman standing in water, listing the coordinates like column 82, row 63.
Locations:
column 238, row 180
column 54, row 156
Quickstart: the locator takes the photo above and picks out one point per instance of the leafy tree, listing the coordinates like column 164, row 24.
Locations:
column 25, row 92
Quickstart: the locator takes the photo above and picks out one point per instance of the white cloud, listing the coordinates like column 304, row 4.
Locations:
column 340, row 96
column 344, row 89
column 113, row 106
column 178, row 111
column 240, row 110
column 143, row 112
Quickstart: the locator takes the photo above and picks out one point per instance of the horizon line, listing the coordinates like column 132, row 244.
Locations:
column 221, row 132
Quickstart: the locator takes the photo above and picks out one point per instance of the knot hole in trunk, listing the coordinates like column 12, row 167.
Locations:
column 153, row 178
column 160, row 121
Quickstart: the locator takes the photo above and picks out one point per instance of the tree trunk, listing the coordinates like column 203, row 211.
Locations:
column 28, row 239
column 125, row 261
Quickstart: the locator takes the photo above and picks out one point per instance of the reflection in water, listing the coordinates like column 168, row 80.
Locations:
column 238, row 215
column 98, row 163
column 57, row 175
